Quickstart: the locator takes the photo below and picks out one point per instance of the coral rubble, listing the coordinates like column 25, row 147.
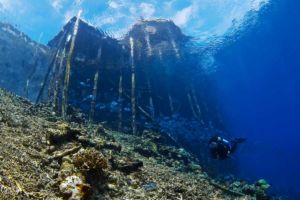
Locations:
column 44, row 157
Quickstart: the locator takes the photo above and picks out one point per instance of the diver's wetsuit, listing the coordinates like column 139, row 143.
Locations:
column 221, row 148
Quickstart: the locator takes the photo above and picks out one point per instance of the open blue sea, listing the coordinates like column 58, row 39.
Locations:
column 258, row 86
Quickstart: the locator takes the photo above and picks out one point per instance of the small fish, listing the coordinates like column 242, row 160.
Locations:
column 120, row 100
column 84, row 84
column 101, row 106
column 114, row 106
column 127, row 109
column 87, row 98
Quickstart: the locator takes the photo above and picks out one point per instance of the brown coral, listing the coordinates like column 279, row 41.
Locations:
column 89, row 159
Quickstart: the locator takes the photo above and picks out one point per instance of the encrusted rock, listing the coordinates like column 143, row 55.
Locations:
column 74, row 188
column 126, row 165
column 67, row 167
column 112, row 146
column 62, row 133
column 100, row 130
column 147, row 149
column 146, row 152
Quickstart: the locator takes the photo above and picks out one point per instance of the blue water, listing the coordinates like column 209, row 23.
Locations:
column 258, row 87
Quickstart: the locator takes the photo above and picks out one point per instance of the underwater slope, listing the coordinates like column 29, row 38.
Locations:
column 23, row 62
column 44, row 157
column 170, row 91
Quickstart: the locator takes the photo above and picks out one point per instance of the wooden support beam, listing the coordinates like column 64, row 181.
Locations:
column 93, row 102
column 120, row 112
column 57, row 81
column 133, row 92
column 194, row 96
column 191, row 105
column 68, row 68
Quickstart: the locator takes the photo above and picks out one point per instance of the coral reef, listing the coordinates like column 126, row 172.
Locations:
column 45, row 157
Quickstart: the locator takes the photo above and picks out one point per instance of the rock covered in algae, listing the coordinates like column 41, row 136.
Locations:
column 61, row 133
column 263, row 184
column 74, row 188
column 126, row 165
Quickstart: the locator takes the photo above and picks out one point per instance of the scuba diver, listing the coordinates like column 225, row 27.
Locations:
column 221, row 148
